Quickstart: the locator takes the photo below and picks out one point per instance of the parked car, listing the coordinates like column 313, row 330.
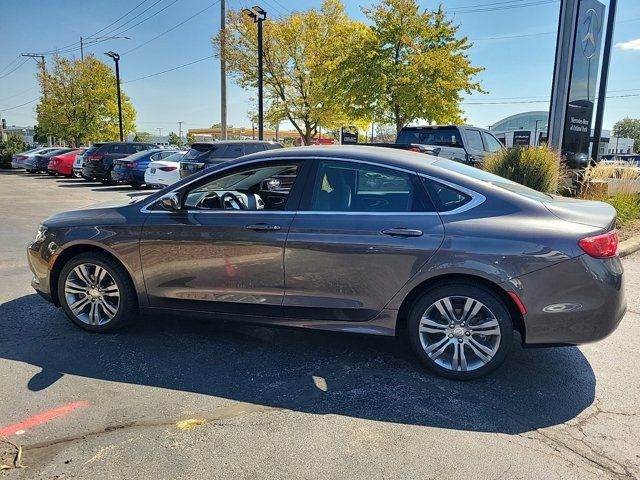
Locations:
column 21, row 160
column 62, row 164
column 366, row 240
column 40, row 161
column 207, row 154
column 78, row 162
column 131, row 169
column 165, row 172
column 98, row 162
column 461, row 143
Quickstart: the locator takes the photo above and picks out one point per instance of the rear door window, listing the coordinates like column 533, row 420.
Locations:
column 354, row 187
column 253, row 148
column 474, row 140
column 231, row 151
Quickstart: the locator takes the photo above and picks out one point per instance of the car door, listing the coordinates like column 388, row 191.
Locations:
column 209, row 256
column 474, row 145
column 361, row 233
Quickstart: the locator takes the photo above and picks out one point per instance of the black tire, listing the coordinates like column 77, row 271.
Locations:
column 136, row 185
column 463, row 333
column 127, row 309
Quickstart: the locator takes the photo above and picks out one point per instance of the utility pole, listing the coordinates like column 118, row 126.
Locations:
column 259, row 16
column 223, row 70
column 604, row 75
column 81, row 50
column 180, row 130
column 160, row 131
column 116, row 59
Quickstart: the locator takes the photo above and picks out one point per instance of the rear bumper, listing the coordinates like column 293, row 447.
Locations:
column 577, row 301
column 121, row 175
column 94, row 171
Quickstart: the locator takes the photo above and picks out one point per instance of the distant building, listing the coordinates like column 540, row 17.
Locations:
column 26, row 133
column 532, row 126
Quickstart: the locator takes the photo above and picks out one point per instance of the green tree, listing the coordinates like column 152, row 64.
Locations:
column 174, row 139
column 410, row 64
column 79, row 102
column 190, row 138
column 38, row 135
column 143, row 137
column 629, row 128
column 299, row 63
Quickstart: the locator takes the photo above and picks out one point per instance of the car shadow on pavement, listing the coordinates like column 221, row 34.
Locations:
column 315, row 372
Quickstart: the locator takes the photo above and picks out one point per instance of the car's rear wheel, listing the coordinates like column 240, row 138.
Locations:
column 460, row 331
column 96, row 292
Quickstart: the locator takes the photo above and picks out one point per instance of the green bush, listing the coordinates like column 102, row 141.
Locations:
column 535, row 167
column 13, row 144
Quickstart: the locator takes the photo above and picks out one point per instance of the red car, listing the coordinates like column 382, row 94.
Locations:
column 63, row 164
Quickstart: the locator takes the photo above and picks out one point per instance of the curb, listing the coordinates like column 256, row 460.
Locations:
column 629, row 246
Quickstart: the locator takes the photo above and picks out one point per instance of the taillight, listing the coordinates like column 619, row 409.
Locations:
column 132, row 164
column 23, row 157
column 601, row 246
column 167, row 169
column 95, row 157
column 414, row 149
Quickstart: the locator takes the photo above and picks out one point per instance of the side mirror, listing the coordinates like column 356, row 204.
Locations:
column 171, row 201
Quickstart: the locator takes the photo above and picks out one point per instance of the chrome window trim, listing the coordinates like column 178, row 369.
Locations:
column 476, row 198
column 145, row 209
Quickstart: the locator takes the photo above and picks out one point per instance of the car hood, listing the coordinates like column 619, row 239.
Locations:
column 585, row 212
column 99, row 214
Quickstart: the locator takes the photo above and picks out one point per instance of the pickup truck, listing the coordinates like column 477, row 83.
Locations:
column 461, row 143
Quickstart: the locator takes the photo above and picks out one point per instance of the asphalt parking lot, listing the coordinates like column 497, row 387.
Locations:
column 278, row 403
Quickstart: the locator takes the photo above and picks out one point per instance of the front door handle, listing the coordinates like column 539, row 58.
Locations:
column 260, row 227
column 402, row 232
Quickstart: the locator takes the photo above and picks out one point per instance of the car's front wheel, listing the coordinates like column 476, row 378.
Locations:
column 96, row 292
column 460, row 331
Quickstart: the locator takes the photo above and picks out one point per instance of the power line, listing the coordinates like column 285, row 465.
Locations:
column 10, row 63
column 120, row 18
column 14, row 68
column 18, row 94
column 501, row 7
column 172, row 28
column 120, row 32
column 541, row 101
column 21, row 105
column 170, row 69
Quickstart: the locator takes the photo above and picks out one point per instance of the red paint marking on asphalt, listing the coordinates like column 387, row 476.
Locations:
column 42, row 418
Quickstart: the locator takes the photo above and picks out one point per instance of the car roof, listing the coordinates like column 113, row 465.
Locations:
column 404, row 159
column 228, row 142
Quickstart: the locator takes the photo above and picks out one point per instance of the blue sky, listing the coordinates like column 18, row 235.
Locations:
column 515, row 45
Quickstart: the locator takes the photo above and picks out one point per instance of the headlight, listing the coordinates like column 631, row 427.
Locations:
column 42, row 231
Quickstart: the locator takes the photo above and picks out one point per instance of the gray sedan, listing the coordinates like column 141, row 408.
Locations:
column 355, row 239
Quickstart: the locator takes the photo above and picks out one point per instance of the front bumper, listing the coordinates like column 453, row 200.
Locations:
column 39, row 257
column 577, row 301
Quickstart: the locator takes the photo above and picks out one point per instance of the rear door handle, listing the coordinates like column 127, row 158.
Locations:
column 402, row 232
column 261, row 227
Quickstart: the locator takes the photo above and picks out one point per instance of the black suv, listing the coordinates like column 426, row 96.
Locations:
column 207, row 154
column 99, row 158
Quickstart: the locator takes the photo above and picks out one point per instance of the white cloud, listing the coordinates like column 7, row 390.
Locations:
column 630, row 45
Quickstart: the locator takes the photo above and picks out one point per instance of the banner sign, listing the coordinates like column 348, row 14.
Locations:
column 522, row 138
column 583, row 79
column 349, row 134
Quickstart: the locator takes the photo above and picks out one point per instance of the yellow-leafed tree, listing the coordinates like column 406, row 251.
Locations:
column 79, row 102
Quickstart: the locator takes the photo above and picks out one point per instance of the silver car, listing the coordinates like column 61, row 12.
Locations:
column 22, row 159
column 355, row 239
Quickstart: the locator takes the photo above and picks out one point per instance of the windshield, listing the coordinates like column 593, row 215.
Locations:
column 484, row 176
column 442, row 137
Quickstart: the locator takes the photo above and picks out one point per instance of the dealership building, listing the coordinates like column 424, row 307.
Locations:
column 530, row 128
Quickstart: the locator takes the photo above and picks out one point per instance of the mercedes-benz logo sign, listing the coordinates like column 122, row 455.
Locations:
column 588, row 32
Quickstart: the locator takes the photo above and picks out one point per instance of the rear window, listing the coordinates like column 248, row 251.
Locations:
column 198, row 153
column 501, row 182
column 176, row 157
column 253, row 148
column 92, row 149
column 443, row 137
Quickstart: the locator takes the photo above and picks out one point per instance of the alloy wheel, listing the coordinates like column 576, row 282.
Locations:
column 92, row 294
column 459, row 333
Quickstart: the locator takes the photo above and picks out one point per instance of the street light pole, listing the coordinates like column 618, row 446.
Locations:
column 259, row 16
column 116, row 59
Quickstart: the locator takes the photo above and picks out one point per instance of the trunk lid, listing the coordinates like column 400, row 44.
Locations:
column 585, row 212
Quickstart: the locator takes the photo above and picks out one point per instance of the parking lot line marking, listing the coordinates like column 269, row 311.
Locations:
column 42, row 418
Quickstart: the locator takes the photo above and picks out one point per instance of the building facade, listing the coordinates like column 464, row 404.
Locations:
column 530, row 128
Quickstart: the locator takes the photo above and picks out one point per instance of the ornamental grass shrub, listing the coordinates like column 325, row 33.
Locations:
column 535, row 167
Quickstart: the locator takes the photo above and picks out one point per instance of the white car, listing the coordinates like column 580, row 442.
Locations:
column 161, row 173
